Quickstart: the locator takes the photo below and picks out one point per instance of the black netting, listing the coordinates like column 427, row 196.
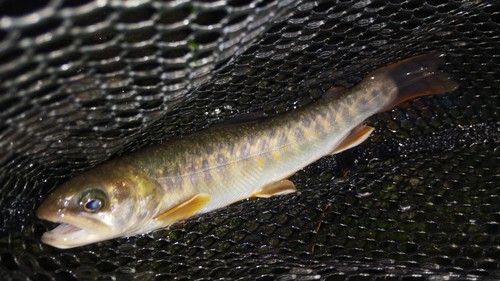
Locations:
column 81, row 81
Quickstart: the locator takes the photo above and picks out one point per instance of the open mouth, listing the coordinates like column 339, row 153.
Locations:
column 69, row 234
column 63, row 232
column 65, row 236
column 68, row 230
column 64, row 229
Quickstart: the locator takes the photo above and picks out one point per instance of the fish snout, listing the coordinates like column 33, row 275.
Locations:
column 44, row 210
column 51, row 209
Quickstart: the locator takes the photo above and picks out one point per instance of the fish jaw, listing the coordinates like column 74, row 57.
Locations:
column 67, row 236
column 73, row 231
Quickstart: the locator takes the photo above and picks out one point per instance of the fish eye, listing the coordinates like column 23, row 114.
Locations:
column 92, row 200
column 93, row 205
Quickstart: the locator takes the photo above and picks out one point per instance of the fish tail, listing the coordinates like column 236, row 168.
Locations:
column 415, row 77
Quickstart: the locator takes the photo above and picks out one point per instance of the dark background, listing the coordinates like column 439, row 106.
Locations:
column 82, row 82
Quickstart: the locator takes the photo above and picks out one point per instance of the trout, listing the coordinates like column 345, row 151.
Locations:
column 159, row 185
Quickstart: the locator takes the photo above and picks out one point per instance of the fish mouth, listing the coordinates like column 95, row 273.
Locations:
column 64, row 229
column 67, row 235
column 72, row 231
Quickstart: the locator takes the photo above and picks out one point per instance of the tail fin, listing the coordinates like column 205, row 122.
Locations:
column 416, row 76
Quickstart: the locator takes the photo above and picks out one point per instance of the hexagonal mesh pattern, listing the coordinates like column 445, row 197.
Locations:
column 82, row 81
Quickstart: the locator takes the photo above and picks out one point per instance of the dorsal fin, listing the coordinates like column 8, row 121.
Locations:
column 334, row 91
column 246, row 118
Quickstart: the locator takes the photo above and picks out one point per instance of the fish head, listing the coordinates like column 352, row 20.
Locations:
column 103, row 203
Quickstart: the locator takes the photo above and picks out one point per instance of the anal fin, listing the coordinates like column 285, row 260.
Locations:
column 184, row 210
column 275, row 188
column 354, row 138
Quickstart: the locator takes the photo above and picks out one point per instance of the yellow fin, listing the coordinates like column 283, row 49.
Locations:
column 185, row 210
column 276, row 188
column 355, row 137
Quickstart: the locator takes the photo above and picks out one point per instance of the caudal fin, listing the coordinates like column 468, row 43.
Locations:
column 416, row 76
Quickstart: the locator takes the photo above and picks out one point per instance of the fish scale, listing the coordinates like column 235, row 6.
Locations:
column 287, row 137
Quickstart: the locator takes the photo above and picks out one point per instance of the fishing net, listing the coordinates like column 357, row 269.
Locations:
column 82, row 81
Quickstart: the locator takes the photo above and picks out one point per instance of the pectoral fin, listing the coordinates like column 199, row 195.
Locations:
column 355, row 137
column 276, row 188
column 184, row 210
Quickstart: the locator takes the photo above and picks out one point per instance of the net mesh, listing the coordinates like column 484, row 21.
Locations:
column 82, row 81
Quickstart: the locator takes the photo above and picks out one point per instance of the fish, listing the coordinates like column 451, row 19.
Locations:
column 157, row 186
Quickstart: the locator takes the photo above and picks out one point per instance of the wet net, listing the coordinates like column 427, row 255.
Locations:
column 82, row 81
